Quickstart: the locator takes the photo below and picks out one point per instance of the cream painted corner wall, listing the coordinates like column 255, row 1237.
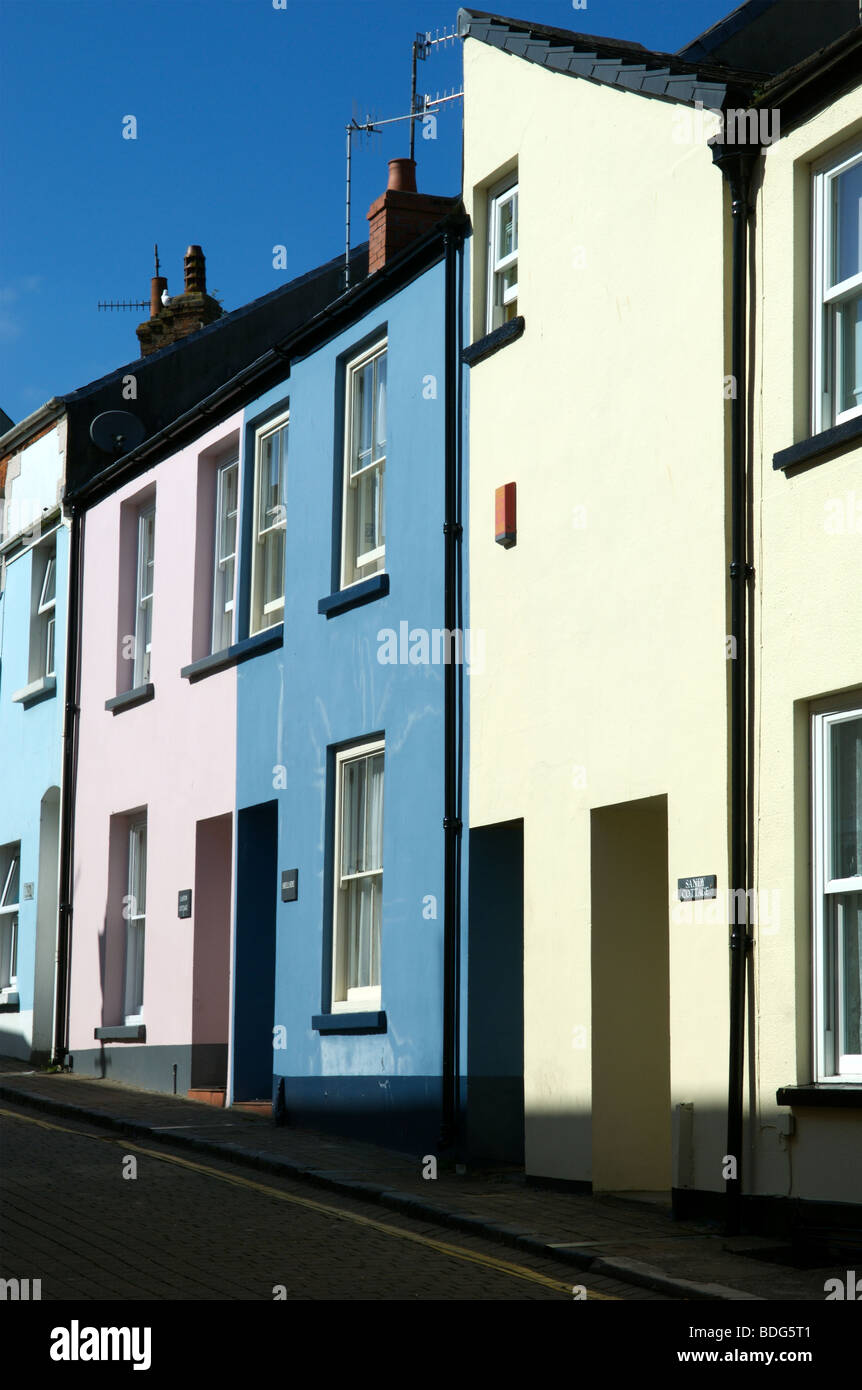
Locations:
column 605, row 677
column 808, row 635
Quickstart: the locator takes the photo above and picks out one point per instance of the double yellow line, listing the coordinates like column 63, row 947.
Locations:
column 442, row 1247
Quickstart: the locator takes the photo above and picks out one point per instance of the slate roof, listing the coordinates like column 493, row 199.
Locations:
column 611, row 62
column 174, row 379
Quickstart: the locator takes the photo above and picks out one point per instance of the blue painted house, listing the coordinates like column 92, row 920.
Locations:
column 352, row 870
column 34, row 557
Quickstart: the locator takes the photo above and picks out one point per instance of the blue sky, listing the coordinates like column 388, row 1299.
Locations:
column 240, row 112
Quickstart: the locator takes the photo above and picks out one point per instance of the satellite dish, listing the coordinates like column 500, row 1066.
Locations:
column 117, row 432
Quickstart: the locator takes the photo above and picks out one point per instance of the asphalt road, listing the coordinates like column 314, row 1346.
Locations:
column 95, row 1216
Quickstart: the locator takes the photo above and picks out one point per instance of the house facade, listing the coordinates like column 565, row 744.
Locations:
column 624, row 414
column 34, row 553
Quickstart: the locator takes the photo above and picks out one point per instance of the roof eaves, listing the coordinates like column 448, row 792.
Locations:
column 609, row 62
column 32, row 424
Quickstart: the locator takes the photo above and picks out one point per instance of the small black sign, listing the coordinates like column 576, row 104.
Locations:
column 693, row 889
column 289, row 885
column 184, row 902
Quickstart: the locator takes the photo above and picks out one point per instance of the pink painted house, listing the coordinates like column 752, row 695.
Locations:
column 150, row 982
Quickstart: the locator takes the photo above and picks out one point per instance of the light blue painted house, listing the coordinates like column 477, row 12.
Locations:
column 352, row 874
column 34, row 555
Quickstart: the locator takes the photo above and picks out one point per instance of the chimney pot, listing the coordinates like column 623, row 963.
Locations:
column 402, row 175
column 158, row 285
column 194, row 266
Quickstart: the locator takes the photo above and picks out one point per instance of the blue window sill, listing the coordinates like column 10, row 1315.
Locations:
column 138, row 696
column 492, row 342
column 350, row 1023
column 841, row 1094
column 124, row 1032
column 355, row 596
column 232, row 656
column 31, row 694
column 815, row 449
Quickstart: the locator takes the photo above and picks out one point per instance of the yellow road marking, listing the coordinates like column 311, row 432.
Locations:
column 442, row 1247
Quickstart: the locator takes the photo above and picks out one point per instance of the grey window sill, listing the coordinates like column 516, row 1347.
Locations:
column 839, row 1094
column 139, row 696
column 492, row 342
column 10, row 1003
column 124, row 1032
column 41, row 689
column 820, row 446
column 370, row 1022
column 355, row 596
column 232, row 656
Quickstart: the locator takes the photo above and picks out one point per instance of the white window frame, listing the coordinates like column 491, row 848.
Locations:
column 826, row 355
column 10, row 861
column 498, row 296
column 144, row 599
column 346, row 998
column 136, row 922
column 270, row 614
column 830, row 1064
column 355, row 568
column 224, row 589
column 44, row 615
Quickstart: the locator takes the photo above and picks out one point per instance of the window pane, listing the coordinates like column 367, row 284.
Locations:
column 849, row 353
column 850, row 918
column 847, row 224
column 507, row 229
column 147, row 539
column 363, row 933
column 49, row 590
column 363, row 410
column 227, row 519
column 49, row 648
column 353, row 818
column 270, row 498
column 134, row 968
column 846, row 847
column 380, row 407
column 8, row 941
column 9, row 880
column 368, row 514
column 273, row 567
column 374, row 812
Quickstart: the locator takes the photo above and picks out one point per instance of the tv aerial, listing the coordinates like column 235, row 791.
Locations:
column 421, row 105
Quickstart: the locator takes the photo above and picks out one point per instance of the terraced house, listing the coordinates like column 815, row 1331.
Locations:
column 665, row 327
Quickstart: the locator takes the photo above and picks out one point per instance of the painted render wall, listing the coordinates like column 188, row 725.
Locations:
column 605, row 678
column 808, row 634
column 326, row 686
column 30, row 736
column 174, row 755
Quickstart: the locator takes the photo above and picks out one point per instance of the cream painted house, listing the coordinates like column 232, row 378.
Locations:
column 637, row 342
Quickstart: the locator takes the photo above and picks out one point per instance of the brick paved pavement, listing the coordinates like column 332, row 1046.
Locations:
column 174, row 1232
column 615, row 1237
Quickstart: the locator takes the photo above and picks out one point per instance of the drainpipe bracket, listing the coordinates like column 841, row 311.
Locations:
column 453, row 823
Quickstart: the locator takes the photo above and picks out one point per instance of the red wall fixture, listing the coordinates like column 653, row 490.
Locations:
column 506, row 532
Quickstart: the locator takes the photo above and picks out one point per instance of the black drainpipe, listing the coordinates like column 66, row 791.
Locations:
column 736, row 165
column 452, row 530
column 70, row 761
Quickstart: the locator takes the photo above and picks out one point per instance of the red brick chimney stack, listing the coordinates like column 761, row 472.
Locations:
column 183, row 314
column 401, row 215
